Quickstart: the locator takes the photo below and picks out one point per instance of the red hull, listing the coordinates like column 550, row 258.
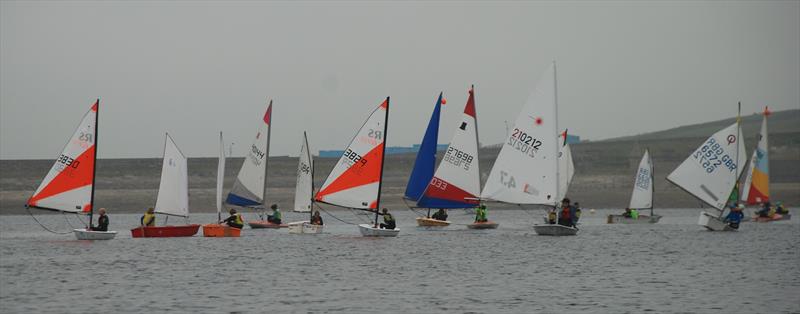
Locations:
column 261, row 224
column 165, row 231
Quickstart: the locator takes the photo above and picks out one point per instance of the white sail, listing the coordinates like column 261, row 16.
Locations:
column 220, row 173
column 744, row 184
column 173, row 190
column 248, row 189
column 355, row 179
column 711, row 171
column 68, row 185
column 526, row 169
column 566, row 170
column 642, row 196
column 456, row 182
column 303, row 191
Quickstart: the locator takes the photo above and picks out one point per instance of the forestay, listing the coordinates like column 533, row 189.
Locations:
column 354, row 180
column 305, row 179
column 712, row 170
column 248, row 189
column 756, row 187
column 68, row 185
column 642, row 196
column 173, row 189
column 425, row 164
column 526, row 169
column 456, row 182
column 220, row 173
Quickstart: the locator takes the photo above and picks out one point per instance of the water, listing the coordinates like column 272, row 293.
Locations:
column 672, row 266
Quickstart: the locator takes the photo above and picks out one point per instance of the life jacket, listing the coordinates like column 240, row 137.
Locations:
column 634, row 214
column 565, row 213
column 238, row 220
column 276, row 214
column 552, row 216
column 387, row 218
column 149, row 220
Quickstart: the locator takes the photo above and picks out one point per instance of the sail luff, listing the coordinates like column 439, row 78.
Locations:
column 94, row 163
column 383, row 158
column 311, row 164
column 266, row 157
column 555, row 126
column 220, row 175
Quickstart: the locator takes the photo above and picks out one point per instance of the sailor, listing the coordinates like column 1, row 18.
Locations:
column 149, row 218
column 764, row 211
column 102, row 221
column 441, row 214
column 551, row 217
column 388, row 220
column 480, row 214
column 276, row 215
column 567, row 213
column 235, row 220
column 735, row 216
column 316, row 219
column 634, row 213
column 627, row 213
column 780, row 209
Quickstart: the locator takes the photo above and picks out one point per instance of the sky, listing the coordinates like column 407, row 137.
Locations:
column 195, row 68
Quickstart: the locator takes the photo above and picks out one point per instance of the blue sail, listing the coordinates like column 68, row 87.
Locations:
column 425, row 164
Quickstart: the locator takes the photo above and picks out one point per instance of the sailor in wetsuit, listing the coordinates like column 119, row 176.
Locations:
column 102, row 221
column 235, row 220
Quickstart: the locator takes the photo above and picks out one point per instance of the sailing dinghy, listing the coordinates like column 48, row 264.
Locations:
column 424, row 166
column 70, row 183
column 642, row 196
column 710, row 173
column 755, row 190
column 355, row 181
column 173, row 195
column 526, row 171
column 456, row 182
column 304, row 191
column 217, row 229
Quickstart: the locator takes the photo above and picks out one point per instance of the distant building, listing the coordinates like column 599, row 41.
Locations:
column 391, row 150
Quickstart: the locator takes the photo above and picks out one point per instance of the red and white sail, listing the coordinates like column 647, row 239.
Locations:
column 249, row 188
column 173, row 189
column 355, row 179
column 527, row 169
column 68, row 186
column 456, row 182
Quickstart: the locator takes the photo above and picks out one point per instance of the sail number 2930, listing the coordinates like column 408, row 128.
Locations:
column 524, row 143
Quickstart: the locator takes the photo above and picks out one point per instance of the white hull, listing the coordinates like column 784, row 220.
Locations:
column 83, row 234
column 619, row 219
column 303, row 227
column 368, row 230
column 555, row 230
column 713, row 223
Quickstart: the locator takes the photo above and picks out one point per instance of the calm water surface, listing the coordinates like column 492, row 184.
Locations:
column 672, row 266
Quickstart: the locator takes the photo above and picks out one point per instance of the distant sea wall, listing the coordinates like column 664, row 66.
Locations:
column 603, row 176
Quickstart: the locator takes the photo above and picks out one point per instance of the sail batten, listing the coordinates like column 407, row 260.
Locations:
column 69, row 185
column 250, row 186
column 354, row 181
column 456, row 182
column 304, row 188
column 711, row 171
column 526, row 170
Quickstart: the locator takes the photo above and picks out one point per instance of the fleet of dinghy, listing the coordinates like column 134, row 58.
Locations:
column 304, row 191
column 642, row 195
column 355, row 181
column 173, row 195
column 69, row 185
column 710, row 173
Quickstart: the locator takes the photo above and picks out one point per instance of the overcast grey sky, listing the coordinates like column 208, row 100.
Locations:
column 195, row 68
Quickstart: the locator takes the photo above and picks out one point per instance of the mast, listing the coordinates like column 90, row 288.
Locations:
column 310, row 164
column 219, row 194
column 555, row 98
column 652, row 182
column 477, row 139
column 94, row 169
column 383, row 158
column 738, row 132
column 266, row 157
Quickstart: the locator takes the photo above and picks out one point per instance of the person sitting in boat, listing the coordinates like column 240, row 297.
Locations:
column 235, row 220
column 552, row 216
column 276, row 215
column 634, row 213
column 780, row 209
column 567, row 214
column 388, row 220
column 480, row 214
column 316, row 219
column 102, row 221
column 577, row 212
column 627, row 213
column 764, row 211
column 149, row 218
column 735, row 216
column 441, row 214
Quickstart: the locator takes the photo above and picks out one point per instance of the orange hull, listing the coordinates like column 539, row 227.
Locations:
column 219, row 231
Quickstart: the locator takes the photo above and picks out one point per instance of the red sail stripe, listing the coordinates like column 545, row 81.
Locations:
column 69, row 178
column 470, row 108
column 358, row 174
column 450, row 192
column 268, row 115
